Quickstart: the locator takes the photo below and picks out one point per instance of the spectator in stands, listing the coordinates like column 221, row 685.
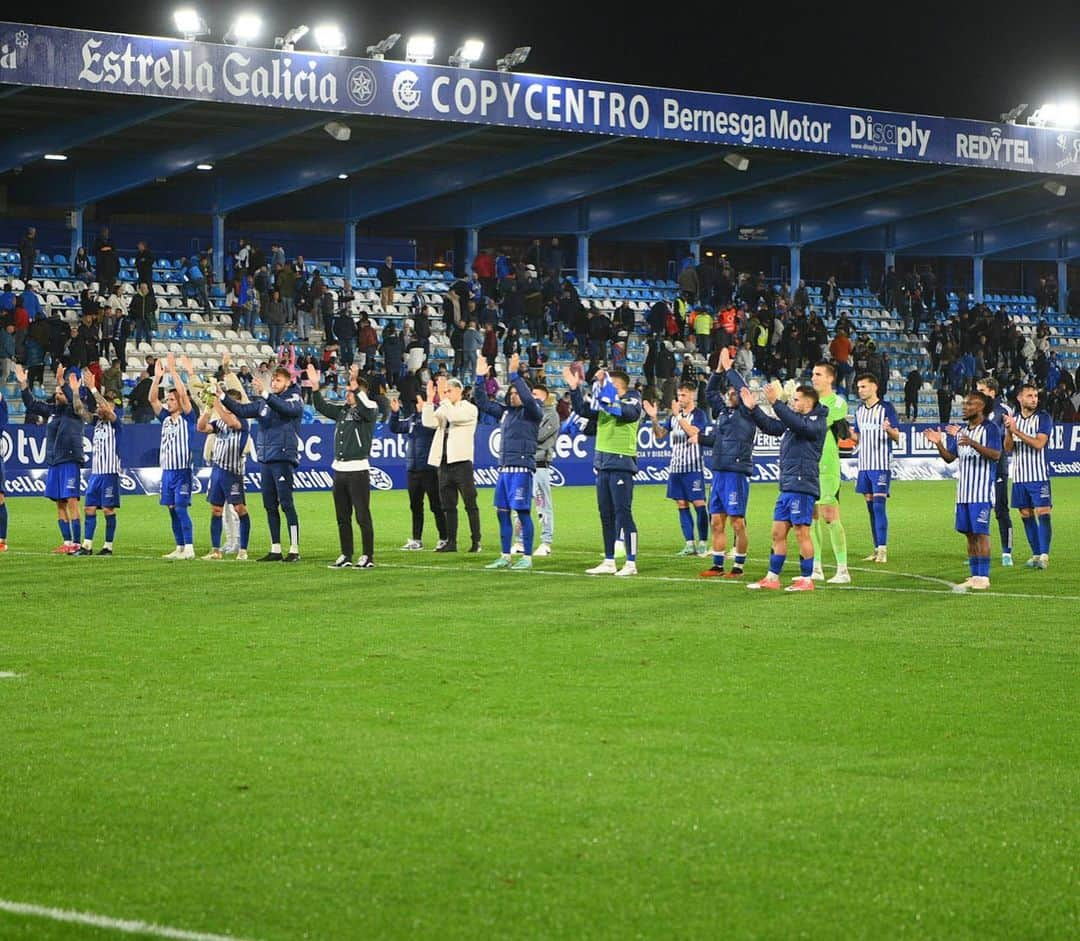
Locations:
column 285, row 278
column 801, row 300
column 388, row 282
column 484, row 267
column 7, row 351
column 367, row 342
column 845, row 323
column 744, row 360
column 257, row 257
column 28, row 254
column 929, row 290
column 830, row 294
column 471, row 344
column 532, row 303
column 144, row 263
column 142, row 313
column 108, row 262
column 912, row 387
column 274, row 318
column 121, row 331
column 511, row 300
column 242, row 258
column 80, row 266
column 702, row 325
column 392, row 352
column 30, row 301
column 554, row 260
column 887, row 294
column 277, row 258
column 345, row 333
column 689, row 284
column 194, row 282
column 840, row 351
column 599, row 331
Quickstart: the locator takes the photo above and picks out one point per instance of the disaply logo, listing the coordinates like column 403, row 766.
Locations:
column 406, row 93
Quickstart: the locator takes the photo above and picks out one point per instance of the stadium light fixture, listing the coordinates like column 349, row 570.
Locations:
column 189, row 24
column 343, row 176
column 737, row 162
column 287, row 43
column 467, row 53
column 338, row 131
column 55, row 156
column 1055, row 188
column 245, row 29
column 512, row 60
column 420, row 49
column 1013, row 115
column 204, row 166
column 329, row 38
column 381, row 48
column 1065, row 115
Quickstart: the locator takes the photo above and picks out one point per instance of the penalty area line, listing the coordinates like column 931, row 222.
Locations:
column 122, row 925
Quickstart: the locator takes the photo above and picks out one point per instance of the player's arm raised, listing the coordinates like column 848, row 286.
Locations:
column 179, row 387
column 155, row 387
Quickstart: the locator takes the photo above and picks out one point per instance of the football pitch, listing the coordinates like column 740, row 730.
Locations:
column 430, row 750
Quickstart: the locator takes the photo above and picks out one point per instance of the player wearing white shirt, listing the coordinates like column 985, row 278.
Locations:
column 977, row 446
column 875, row 433
column 1026, row 437
column 229, row 464
column 177, row 416
column 103, row 488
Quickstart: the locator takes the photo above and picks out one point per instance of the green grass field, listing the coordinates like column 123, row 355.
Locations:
column 429, row 750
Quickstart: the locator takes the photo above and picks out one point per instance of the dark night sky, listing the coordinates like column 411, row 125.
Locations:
column 962, row 60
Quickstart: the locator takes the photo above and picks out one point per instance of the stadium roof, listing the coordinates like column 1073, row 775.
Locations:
column 417, row 163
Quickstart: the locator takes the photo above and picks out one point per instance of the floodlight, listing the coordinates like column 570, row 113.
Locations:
column 287, row 43
column 513, row 59
column 1068, row 115
column 468, row 52
column 1055, row 188
column 1065, row 116
column 381, row 48
column 343, row 176
column 737, row 162
column 337, row 130
column 329, row 38
column 189, row 24
column 245, row 29
column 55, row 156
column 420, row 49
column 204, row 166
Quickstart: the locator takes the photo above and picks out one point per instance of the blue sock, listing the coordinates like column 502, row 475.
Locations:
column 686, row 521
column 1031, row 530
column 973, row 565
column 740, row 560
column 873, row 522
column 91, row 527
column 703, row 523
column 187, row 530
column 984, row 566
column 178, row 533
column 76, row 530
column 215, row 531
column 3, row 522
column 806, row 567
column 245, row 530
column 718, row 559
column 881, row 515
column 110, row 528
column 528, row 531
column 1045, row 532
column 506, row 531
column 65, row 529
column 776, row 563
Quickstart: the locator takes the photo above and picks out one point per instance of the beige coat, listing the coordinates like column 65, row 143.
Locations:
column 461, row 419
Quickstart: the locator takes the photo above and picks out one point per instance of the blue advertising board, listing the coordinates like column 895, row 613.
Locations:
column 23, row 450
column 55, row 57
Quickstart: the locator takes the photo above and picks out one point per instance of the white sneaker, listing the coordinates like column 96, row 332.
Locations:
column 620, row 549
column 979, row 583
column 1044, row 561
column 882, row 554
column 440, row 544
column 230, row 549
column 517, row 549
column 543, row 549
column 412, row 545
column 214, row 555
column 241, row 555
column 187, row 554
column 840, row 578
column 873, row 557
column 704, row 551
column 629, row 568
column 174, row 555
column 818, row 575
column 607, row 567
column 964, row 585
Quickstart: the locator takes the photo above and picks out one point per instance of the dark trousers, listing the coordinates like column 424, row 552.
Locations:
column 944, row 404
column 615, row 499
column 421, row 483
column 277, row 496
column 27, row 268
column 457, row 479
column 352, row 495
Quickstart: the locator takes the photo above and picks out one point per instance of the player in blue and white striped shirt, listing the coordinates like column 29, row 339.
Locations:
column 1026, row 437
column 103, row 489
column 686, row 474
column 227, row 477
column 3, row 503
column 978, row 448
column 177, row 416
column 875, row 433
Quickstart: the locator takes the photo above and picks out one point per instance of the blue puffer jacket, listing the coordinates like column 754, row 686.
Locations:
column 279, row 423
column 64, row 439
column 733, row 429
column 520, row 424
column 418, row 439
column 800, row 447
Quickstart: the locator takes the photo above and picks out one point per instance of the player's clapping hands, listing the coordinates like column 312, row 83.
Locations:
column 725, row 359
column 747, row 397
column 650, row 408
column 313, row 375
column 481, row 365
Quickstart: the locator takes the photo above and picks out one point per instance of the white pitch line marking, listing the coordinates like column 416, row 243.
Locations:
column 126, row 926
column 6, row 675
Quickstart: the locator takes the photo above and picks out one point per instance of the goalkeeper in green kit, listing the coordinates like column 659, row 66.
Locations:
column 827, row 508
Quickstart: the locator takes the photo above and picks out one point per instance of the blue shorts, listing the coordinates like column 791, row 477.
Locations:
column 689, row 486
column 225, row 487
column 103, row 490
column 1030, row 496
column 794, row 508
column 973, row 518
column 872, row 482
column 175, row 488
column 63, row 482
column 730, row 493
column 513, row 490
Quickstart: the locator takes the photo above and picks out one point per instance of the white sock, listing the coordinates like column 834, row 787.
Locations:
column 108, row 546
column 189, row 548
column 276, row 547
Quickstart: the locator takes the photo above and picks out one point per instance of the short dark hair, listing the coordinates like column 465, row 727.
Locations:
column 1027, row 385
column 868, row 377
column 688, row 386
column 539, row 384
column 987, row 402
column 234, row 394
column 825, row 364
column 620, row 374
column 809, row 392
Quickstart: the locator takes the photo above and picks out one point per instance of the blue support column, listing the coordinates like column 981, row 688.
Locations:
column 695, row 250
column 582, row 258
column 76, row 231
column 1063, row 283
column 348, row 256
column 977, row 277
column 890, row 260
column 219, row 247
column 472, row 248
column 796, row 267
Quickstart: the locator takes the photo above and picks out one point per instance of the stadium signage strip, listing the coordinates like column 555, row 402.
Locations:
column 55, row 57
column 22, row 448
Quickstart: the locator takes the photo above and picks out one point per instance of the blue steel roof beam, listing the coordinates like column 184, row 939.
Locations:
column 480, row 208
column 60, row 137
column 1004, row 238
column 1045, row 250
column 361, row 199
